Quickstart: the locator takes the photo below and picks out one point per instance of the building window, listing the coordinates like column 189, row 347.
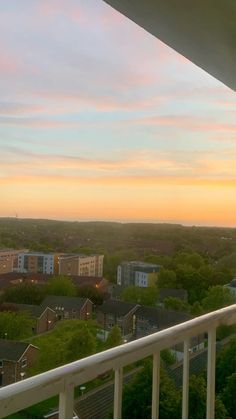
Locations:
column 1, row 363
column 24, row 363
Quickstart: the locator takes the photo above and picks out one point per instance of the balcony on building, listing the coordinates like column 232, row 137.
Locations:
column 62, row 381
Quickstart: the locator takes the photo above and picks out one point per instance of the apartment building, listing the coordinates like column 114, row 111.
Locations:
column 37, row 262
column 81, row 265
column 8, row 260
column 140, row 274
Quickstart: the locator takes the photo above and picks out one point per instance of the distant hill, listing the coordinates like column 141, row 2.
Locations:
column 139, row 239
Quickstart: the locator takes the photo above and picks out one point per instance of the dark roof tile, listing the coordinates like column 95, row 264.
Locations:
column 68, row 303
column 11, row 350
column 117, row 307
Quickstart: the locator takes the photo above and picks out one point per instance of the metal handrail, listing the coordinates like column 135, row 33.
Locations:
column 62, row 380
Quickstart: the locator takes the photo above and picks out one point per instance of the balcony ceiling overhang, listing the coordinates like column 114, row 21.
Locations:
column 204, row 31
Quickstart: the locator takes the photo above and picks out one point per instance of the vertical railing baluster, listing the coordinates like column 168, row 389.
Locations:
column 66, row 402
column 118, row 393
column 211, row 362
column 185, row 393
column 155, row 384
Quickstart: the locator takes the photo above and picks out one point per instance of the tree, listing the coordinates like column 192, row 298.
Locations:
column 62, row 344
column 197, row 397
column 196, row 309
column 167, row 279
column 114, row 337
column 141, row 385
column 226, row 364
column 92, row 293
column 15, row 325
column 81, row 344
column 192, row 259
column 144, row 296
column 164, row 261
column 191, row 280
column 197, row 400
column 218, row 297
column 172, row 303
column 25, row 293
column 61, row 285
column 220, row 409
column 228, row 395
column 168, row 357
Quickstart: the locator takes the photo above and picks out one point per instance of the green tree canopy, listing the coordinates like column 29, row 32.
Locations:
column 226, row 364
column 61, row 285
column 68, row 341
column 196, row 309
column 197, row 397
column 173, row 303
column 81, row 344
column 165, row 261
column 25, row 293
column 228, row 395
column 92, row 293
column 168, row 357
column 140, row 406
column 192, row 259
column 167, row 279
column 114, row 337
column 144, row 296
column 15, row 325
column 218, row 297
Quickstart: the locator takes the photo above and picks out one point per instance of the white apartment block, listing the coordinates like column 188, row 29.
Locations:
column 35, row 262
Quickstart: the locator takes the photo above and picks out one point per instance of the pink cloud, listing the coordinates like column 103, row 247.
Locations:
column 14, row 108
column 36, row 122
column 9, row 65
column 186, row 122
column 51, row 9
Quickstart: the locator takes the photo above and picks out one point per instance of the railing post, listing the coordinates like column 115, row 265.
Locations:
column 66, row 402
column 118, row 393
column 185, row 393
column 211, row 361
column 155, row 384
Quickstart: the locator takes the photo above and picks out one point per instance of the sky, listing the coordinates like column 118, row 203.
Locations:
column 99, row 120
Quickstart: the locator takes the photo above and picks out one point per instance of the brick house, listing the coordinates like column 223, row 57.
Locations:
column 151, row 319
column 44, row 317
column 15, row 360
column 69, row 307
column 120, row 313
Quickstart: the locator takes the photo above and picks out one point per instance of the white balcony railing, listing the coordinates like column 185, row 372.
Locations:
column 64, row 379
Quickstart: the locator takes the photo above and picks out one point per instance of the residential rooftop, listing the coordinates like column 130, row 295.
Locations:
column 12, row 350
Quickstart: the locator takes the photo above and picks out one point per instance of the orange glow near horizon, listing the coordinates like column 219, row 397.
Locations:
column 201, row 204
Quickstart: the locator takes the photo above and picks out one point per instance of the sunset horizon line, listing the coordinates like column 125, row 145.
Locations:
column 119, row 221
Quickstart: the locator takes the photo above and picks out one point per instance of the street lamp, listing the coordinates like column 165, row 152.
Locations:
column 82, row 389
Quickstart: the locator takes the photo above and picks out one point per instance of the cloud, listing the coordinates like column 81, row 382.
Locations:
column 141, row 168
column 16, row 108
column 186, row 122
column 117, row 181
column 9, row 64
